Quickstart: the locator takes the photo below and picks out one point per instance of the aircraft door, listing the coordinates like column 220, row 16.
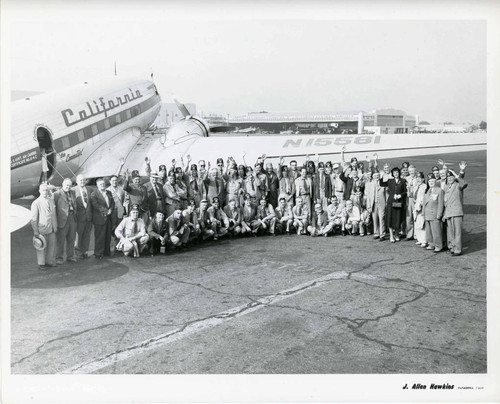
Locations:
column 44, row 137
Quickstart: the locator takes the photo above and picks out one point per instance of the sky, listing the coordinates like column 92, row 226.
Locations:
column 436, row 69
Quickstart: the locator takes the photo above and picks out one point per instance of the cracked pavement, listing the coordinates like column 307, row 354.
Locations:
column 267, row 305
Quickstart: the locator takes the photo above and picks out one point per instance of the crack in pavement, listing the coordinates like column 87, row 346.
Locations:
column 198, row 325
column 76, row 334
column 463, row 293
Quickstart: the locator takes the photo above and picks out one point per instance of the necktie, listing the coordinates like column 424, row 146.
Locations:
column 322, row 181
column 253, row 185
column 300, row 211
column 217, row 186
column 84, row 193
column 196, row 185
column 287, row 185
column 134, row 228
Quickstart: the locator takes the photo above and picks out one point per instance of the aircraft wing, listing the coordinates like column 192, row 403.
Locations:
column 105, row 160
column 328, row 147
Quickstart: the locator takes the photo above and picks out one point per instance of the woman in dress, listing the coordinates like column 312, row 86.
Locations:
column 395, row 209
column 418, row 212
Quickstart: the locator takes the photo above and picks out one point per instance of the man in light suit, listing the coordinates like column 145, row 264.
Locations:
column 44, row 222
column 304, row 190
column 319, row 224
column 155, row 194
column 453, row 208
column 65, row 202
column 375, row 203
column 103, row 207
column 83, row 216
column 433, row 212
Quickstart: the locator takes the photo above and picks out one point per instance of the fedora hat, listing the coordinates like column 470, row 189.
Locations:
column 39, row 242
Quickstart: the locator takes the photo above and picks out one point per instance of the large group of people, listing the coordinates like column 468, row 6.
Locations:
column 191, row 203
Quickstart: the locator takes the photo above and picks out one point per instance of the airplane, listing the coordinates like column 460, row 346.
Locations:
column 193, row 137
column 75, row 130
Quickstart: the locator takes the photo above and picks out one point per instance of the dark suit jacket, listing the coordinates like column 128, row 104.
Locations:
column 349, row 185
column 317, row 187
column 315, row 218
column 100, row 207
column 156, row 202
column 83, row 213
column 155, row 230
column 62, row 206
column 433, row 205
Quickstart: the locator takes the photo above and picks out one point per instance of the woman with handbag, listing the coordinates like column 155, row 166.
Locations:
column 395, row 209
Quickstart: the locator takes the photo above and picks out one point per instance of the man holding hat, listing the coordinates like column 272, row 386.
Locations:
column 132, row 234
column 44, row 224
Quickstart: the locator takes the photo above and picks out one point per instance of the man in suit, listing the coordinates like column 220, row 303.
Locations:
column 433, row 212
column 453, row 208
column 103, row 207
column 249, row 222
column 284, row 216
column 411, row 185
column 375, row 203
column 44, row 222
column 172, row 198
column 262, row 182
column 132, row 234
column 338, row 185
column 322, row 186
column 214, row 186
column 158, row 233
column 83, row 216
column 178, row 230
column 304, row 190
column 319, row 223
column 155, row 195
column 65, row 202
column 274, row 185
column 351, row 182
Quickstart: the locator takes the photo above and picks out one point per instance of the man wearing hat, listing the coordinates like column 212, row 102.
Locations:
column 219, row 220
column 287, row 184
column 337, row 184
column 155, row 195
column 132, row 234
column 83, row 216
column 103, row 208
column 44, row 224
column 172, row 198
column 181, row 188
column 137, row 194
column 322, row 186
column 64, row 200
column 204, row 220
column 195, row 185
column 220, row 169
column 178, row 230
column 453, row 208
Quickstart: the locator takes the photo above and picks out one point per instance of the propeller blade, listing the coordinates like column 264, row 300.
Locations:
column 182, row 108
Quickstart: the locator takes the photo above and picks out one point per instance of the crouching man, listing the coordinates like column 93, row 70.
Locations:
column 351, row 219
column 191, row 219
column 233, row 214
column 132, row 234
column 319, row 224
column 158, row 234
column 220, row 222
column 178, row 231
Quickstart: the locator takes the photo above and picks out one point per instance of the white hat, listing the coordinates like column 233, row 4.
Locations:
column 39, row 242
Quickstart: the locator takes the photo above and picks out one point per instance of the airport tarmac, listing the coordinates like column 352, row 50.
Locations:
column 287, row 304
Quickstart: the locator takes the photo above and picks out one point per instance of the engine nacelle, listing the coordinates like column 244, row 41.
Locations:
column 187, row 129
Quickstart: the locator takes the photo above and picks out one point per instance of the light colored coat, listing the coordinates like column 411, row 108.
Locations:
column 43, row 216
column 453, row 198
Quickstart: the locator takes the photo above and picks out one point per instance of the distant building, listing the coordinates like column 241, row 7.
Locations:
column 381, row 121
